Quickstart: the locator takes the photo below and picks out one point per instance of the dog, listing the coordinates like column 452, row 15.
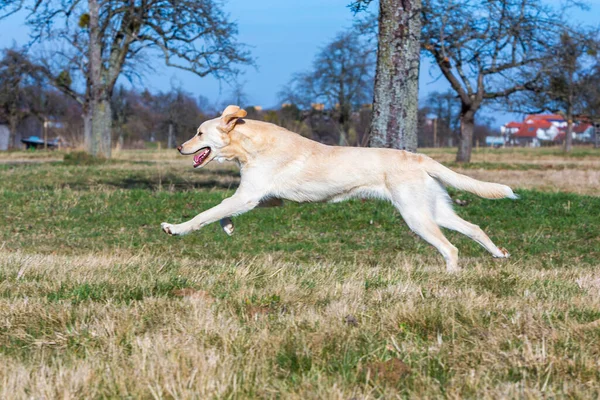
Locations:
column 278, row 164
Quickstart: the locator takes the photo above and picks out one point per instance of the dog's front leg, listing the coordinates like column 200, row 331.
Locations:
column 237, row 204
column 227, row 223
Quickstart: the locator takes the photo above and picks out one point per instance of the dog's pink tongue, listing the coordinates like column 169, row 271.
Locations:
column 197, row 158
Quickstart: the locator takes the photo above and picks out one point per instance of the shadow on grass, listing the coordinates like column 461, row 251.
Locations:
column 179, row 184
column 154, row 183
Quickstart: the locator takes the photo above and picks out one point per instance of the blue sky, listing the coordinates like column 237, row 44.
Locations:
column 284, row 36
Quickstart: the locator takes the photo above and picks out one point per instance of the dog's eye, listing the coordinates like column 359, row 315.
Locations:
column 198, row 133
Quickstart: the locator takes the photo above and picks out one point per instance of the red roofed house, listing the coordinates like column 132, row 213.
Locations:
column 511, row 128
column 556, row 119
column 584, row 132
column 545, row 128
column 535, row 129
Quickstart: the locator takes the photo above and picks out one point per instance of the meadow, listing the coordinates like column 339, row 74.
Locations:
column 305, row 301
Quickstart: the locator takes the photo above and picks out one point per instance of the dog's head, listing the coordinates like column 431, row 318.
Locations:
column 212, row 137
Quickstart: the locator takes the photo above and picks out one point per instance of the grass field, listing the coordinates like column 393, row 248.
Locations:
column 309, row 301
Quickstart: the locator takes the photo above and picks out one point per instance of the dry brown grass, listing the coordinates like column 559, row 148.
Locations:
column 104, row 317
column 546, row 156
column 585, row 181
column 578, row 173
column 500, row 330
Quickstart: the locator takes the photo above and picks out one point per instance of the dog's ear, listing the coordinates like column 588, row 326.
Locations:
column 230, row 116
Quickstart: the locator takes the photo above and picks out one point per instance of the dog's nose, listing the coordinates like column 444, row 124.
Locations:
column 179, row 148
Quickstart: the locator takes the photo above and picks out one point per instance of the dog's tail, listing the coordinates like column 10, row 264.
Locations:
column 486, row 190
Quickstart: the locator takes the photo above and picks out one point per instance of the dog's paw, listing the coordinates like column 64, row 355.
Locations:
column 505, row 253
column 228, row 229
column 167, row 228
column 227, row 225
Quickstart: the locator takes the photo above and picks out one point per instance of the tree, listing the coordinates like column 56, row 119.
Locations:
column 169, row 117
column 590, row 98
column 181, row 115
column 568, row 69
column 21, row 95
column 445, row 107
column 484, row 49
column 395, row 102
column 341, row 80
column 121, row 109
column 13, row 105
column 102, row 40
column 14, row 101
column 237, row 95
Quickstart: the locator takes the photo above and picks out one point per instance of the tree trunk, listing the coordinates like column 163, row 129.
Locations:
column 170, row 139
column 100, row 144
column 87, row 129
column 100, row 140
column 569, row 134
column 465, row 141
column 395, row 102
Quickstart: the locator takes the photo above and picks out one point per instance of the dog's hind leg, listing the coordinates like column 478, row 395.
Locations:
column 447, row 218
column 227, row 225
column 417, row 214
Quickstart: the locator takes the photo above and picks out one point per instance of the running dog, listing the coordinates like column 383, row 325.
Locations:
column 277, row 163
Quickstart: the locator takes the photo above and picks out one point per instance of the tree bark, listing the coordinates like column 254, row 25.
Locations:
column 99, row 144
column 465, row 140
column 395, row 102
column 87, row 128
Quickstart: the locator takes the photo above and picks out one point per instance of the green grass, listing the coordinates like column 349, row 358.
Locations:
column 518, row 167
column 75, row 210
column 304, row 301
column 532, row 153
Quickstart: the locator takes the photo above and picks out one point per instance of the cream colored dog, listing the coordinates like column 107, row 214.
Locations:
column 277, row 163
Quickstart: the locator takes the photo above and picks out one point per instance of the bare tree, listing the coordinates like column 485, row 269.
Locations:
column 182, row 115
column 237, row 94
column 21, row 95
column 121, row 109
column 100, row 40
column 395, row 101
column 590, row 99
column 341, row 80
column 484, row 48
column 567, row 73
column 445, row 107
column 13, row 102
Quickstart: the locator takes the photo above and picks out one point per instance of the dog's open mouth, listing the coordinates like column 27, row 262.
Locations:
column 201, row 156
